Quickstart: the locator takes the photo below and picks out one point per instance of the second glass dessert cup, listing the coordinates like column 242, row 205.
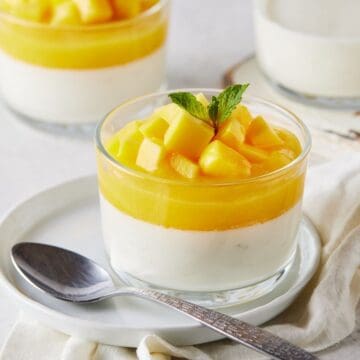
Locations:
column 65, row 77
column 211, row 242
column 310, row 50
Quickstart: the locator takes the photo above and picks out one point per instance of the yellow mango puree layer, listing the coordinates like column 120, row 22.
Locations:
column 197, row 205
column 82, row 47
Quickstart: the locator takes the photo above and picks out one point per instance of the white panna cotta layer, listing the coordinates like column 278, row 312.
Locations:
column 198, row 260
column 77, row 96
column 311, row 47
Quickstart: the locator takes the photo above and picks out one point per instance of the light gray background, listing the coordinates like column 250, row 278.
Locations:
column 206, row 37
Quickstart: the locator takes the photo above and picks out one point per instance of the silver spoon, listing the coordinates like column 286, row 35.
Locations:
column 69, row 276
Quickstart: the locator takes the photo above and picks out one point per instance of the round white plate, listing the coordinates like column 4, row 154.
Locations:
column 68, row 216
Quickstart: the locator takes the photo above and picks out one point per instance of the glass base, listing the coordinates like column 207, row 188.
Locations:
column 338, row 103
column 216, row 299
column 79, row 130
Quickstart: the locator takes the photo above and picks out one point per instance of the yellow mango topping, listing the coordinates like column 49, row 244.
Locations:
column 185, row 167
column 222, row 161
column 258, row 170
column 242, row 113
column 65, row 13
column 231, row 133
column 75, row 47
column 277, row 160
column 130, row 138
column 151, row 153
column 33, row 10
column 288, row 153
column 94, row 11
column 155, row 127
column 252, row 153
column 168, row 112
column 5, row 6
column 112, row 145
column 290, row 140
column 261, row 134
column 126, row 9
column 187, row 135
column 171, row 142
column 146, row 4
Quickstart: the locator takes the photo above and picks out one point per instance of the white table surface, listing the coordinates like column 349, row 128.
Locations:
column 205, row 39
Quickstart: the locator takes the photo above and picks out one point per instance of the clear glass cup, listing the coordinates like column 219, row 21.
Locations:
column 68, row 77
column 310, row 50
column 211, row 242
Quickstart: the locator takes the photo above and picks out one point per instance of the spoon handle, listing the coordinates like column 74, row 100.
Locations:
column 242, row 332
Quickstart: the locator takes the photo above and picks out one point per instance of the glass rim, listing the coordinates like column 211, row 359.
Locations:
column 161, row 4
column 268, row 176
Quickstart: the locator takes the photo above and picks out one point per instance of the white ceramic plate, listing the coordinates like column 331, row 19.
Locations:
column 68, row 216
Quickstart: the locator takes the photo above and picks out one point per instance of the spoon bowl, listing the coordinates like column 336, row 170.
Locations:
column 62, row 273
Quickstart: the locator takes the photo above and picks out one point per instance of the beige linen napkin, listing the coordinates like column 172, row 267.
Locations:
column 321, row 316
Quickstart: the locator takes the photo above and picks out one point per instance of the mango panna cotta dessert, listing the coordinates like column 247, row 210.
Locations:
column 204, row 194
column 83, row 55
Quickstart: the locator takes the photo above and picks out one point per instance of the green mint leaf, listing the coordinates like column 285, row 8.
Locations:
column 189, row 102
column 228, row 100
column 213, row 110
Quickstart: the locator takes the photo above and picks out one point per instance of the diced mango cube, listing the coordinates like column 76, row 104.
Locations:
column 150, row 155
column 168, row 112
column 94, row 11
column 33, row 10
column 288, row 153
column 242, row 113
column 276, row 160
column 222, row 161
column 65, row 13
column 112, row 146
column 231, row 133
column 202, row 99
column 155, row 127
column 261, row 134
column 252, row 153
column 5, row 6
column 188, row 135
column 184, row 166
column 290, row 140
column 258, row 170
column 126, row 9
column 130, row 138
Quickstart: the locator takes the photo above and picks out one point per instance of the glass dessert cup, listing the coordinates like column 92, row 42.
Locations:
column 213, row 242
column 310, row 50
column 67, row 77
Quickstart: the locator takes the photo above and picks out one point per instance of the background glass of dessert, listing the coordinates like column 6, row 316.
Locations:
column 213, row 242
column 311, row 49
column 64, row 64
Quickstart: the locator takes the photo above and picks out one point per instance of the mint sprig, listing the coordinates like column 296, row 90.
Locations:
column 228, row 99
column 219, row 109
column 213, row 109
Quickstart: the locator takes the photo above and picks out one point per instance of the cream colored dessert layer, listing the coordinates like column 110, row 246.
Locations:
column 311, row 47
column 77, row 96
column 198, row 260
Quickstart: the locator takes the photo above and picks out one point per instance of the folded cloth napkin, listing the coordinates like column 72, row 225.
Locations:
column 322, row 315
